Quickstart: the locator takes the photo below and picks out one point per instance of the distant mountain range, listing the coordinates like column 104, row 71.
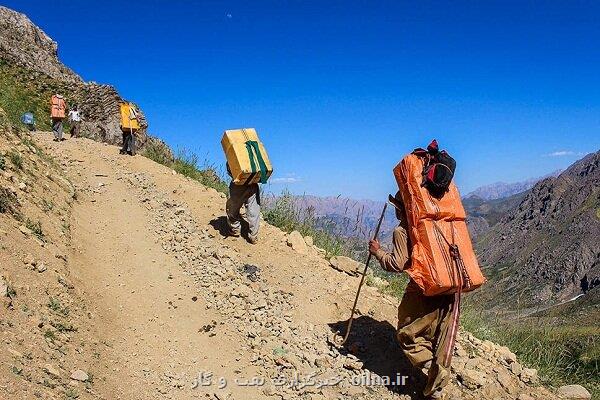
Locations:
column 501, row 190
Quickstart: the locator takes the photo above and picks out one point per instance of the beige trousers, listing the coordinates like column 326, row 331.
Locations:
column 422, row 328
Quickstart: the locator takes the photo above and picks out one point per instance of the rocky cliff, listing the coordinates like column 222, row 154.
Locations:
column 31, row 58
column 547, row 246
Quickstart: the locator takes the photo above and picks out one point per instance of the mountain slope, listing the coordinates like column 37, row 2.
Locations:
column 483, row 214
column 546, row 248
column 168, row 297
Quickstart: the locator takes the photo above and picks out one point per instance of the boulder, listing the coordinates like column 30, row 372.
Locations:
column 574, row 392
column 345, row 264
column 296, row 242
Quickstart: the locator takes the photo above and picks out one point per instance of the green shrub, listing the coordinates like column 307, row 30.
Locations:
column 158, row 152
column 23, row 91
column 16, row 159
column 55, row 305
column 35, row 228
column 186, row 163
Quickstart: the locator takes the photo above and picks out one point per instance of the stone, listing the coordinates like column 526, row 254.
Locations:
column 345, row 264
column 40, row 267
column 24, row 230
column 472, row 379
column 29, row 260
column 179, row 210
column 574, row 392
column 80, row 376
column 516, row 368
column 378, row 282
column 3, row 287
column 52, row 370
column 296, row 242
column 352, row 364
column 23, row 186
column 508, row 356
column 15, row 353
column 529, row 375
column 506, row 382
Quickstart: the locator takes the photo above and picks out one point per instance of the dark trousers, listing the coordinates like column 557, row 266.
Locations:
column 75, row 129
column 128, row 143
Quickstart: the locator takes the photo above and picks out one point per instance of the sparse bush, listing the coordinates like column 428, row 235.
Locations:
column 11, row 292
column 158, row 152
column 16, row 159
column 2, row 163
column 35, row 228
column 286, row 213
column 187, row 163
column 48, row 334
column 64, row 328
column 47, row 205
column 55, row 305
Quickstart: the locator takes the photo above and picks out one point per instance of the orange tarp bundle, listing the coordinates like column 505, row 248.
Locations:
column 434, row 224
column 57, row 109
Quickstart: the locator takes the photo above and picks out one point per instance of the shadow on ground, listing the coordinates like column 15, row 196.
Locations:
column 220, row 224
column 374, row 344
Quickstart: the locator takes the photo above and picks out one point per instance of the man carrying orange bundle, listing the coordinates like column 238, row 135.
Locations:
column 432, row 245
column 57, row 114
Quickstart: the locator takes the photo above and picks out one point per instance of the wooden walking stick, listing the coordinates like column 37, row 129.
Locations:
column 362, row 279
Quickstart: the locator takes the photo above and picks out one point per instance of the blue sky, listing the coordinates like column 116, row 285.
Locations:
column 340, row 90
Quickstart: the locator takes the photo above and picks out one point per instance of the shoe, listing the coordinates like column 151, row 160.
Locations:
column 253, row 239
column 233, row 232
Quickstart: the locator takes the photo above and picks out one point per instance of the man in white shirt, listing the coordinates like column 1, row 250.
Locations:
column 75, row 120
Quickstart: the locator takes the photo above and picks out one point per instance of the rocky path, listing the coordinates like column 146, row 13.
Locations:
column 185, row 312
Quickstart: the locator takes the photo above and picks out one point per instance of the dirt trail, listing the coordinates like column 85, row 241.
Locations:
column 171, row 297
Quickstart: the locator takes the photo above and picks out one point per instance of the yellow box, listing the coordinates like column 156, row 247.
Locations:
column 129, row 117
column 246, row 156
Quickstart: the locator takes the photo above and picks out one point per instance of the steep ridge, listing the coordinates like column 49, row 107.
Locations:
column 167, row 297
column 545, row 250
